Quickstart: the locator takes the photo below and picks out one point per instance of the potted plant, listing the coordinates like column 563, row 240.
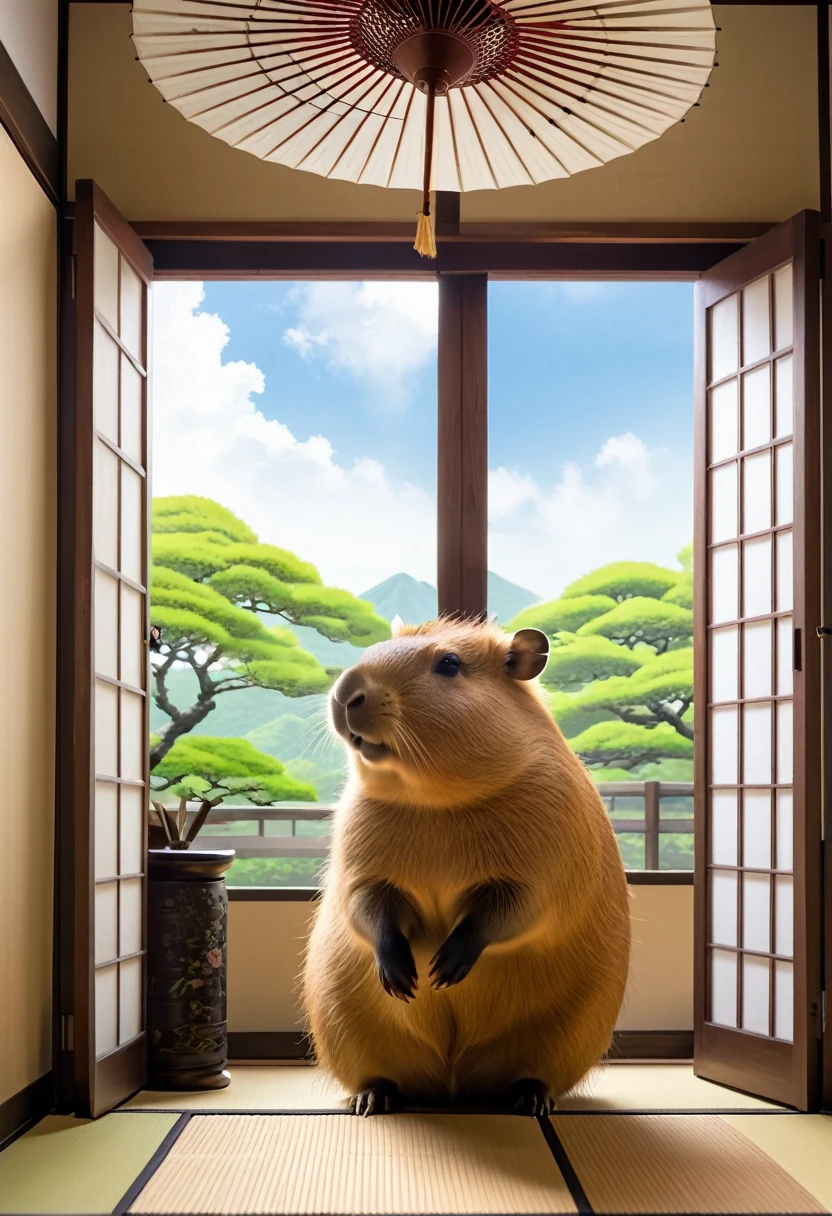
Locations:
column 188, row 904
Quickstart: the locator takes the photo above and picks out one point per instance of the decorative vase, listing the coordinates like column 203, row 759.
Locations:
column 187, row 966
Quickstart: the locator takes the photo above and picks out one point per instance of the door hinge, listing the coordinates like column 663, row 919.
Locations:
column 67, row 1032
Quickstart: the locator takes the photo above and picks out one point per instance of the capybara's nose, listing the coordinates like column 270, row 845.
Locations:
column 357, row 701
column 348, row 689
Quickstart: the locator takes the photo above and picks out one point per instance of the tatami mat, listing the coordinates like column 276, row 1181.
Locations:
column 69, row 1166
column 618, row 1087
column 645, row 1164
column 801, row 1145
column 337, row 1165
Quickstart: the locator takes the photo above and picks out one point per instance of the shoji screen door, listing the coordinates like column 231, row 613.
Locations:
column 110, row 680
column 757, row 683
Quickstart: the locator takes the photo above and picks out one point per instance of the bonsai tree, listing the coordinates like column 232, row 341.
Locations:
column 620, row 672
column 212, row 585
column 206, row 770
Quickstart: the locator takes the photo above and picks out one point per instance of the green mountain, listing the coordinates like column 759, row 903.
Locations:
column 414, row 601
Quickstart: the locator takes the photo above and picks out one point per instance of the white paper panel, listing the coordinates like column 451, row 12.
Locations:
column 724, row 524
column 724, row 410
column 756, row 324
column 784, row 484
column 724, row 338
column 723, row 988
column 724, row 745
column 133, row 740
column 784, row 1001
column 756, row 744
column 783, row 397
column 785, row 742
column 756, row 829
column 724, row 828
column 756, row 912
column 106, row 625
column 785, row 829
column 105, row 281
column 756, row 492
column 105, row 505
column 106, row 829
column 106, row 729
column 724, row 907
column 131, row 997
column 132, row 524
column 132, row 829
column 785, row 656
column 756, row 407
column 783, row 307
column 783, row 915
column 105, row 384
column 724, row 584
column 755, row 994
column 756, row 576
column 757, row 659
column 131, row 310
column 131, row 916
column 785, row 572
column 724, row 664
column 106, row 1010
column 132, row 412
column 106, row 922
column 133, row 648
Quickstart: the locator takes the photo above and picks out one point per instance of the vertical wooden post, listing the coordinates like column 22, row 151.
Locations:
column 651, row 825
column 462, row 472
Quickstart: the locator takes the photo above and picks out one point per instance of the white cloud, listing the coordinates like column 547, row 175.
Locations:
column 382, row 333
column 211, row 439
column 358, row 527
column 629, row 503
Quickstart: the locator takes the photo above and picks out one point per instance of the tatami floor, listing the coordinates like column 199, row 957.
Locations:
column 646, row 1138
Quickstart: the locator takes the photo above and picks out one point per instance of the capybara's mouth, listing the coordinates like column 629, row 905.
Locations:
column 368, row 750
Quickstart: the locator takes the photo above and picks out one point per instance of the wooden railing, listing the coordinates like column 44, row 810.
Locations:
column 618, row 797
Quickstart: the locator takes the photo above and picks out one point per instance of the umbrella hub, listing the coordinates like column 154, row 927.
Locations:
column 437, row 46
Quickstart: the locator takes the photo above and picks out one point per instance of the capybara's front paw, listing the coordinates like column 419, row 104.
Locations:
column 530, row 1097
column 396, row 968
column 378, row 1097
column 456, row 956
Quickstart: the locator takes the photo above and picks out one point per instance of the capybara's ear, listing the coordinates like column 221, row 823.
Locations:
column 528, row 655
column 396, row 625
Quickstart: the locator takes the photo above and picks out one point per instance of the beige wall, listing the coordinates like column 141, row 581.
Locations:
column 266, row 941
column 749, row 152
column 28, row 292
column 29, row 32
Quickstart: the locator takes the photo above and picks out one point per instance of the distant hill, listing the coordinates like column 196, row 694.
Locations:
column 415, row 601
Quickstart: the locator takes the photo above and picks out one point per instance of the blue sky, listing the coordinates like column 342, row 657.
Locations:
column 310, row 410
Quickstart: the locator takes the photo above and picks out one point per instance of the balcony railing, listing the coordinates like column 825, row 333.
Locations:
column 653, row 822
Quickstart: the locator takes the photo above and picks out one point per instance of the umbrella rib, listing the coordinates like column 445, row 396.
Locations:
column 255, row 75
column 604, row 109
column 598, row 126
column 576, row 97
column 493, row 86
column 314, row 14
column 367, row 114
column 388, row 118
column 255, row 8
column 479, row 139
column 579, row 36
column 552, row 122
column 601, row 5
column 505, row 133
column 536, row 57
column 454, row 144
column 401, row 136
column 592, row 57
column 318, row 113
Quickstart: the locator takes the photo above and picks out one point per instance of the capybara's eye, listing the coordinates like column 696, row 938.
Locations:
column 448, row 665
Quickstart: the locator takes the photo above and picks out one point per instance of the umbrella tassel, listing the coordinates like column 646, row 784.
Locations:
column 425, row 244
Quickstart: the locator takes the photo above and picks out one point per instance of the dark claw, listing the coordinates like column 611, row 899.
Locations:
column 455, row 957
column 532, row 1098
column 378, row 1097
column 396, row 968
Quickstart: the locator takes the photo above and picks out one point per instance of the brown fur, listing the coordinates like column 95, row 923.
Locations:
column 481, row 786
